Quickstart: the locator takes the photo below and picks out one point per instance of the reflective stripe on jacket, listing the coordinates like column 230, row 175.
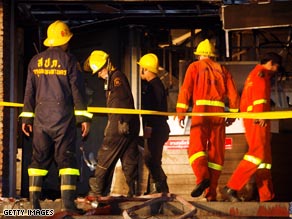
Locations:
column 256, row 93
column 54, row 89
column 207, row 83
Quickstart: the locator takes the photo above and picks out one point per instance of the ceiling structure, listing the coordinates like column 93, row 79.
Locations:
column 89, row 12
column 166, row 14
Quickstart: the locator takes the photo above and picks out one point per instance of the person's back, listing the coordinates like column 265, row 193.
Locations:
column 206, row 81
column 256, row 87
column 51, row 71
column 54, row 93
column 154, row 97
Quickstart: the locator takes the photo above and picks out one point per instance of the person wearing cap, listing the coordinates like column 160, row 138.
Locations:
column 156, row 129
column 258, row 159
column 206, row 86
column 121, row 132
column 54, row 102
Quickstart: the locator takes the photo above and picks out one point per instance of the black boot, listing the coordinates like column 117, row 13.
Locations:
column 230, row 194
column 200, row 188
column 35, row 187
column 162, row 187
column 68, row 194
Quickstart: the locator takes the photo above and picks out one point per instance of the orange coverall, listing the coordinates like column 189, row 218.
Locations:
column 258, row 159
column 206, row 86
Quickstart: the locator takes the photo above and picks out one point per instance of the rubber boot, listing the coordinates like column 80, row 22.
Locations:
column 68, row 194
column 35, row 187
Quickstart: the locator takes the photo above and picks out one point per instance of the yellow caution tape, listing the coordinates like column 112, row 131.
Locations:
column 11, row 104
column 249, row 115
column 261, row 115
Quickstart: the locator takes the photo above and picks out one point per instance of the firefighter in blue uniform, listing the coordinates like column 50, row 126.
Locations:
column 54, row 103
column 122, row 130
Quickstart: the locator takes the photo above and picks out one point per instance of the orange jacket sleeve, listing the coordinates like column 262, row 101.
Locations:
column 256, row 93
column 186, row 91
column 231, row 92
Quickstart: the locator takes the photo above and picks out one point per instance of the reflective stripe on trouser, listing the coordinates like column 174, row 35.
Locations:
column 69, row 171
column 206, row 149
column 259, row 151
column 215, row 172
column 245, row 169
column 37, row 172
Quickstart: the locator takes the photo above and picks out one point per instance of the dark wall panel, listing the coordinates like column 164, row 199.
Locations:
column 246, row 16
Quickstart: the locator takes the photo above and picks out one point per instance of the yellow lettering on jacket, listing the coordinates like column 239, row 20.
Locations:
column 49, row 67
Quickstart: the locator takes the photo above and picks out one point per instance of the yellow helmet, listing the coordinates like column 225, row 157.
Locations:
column 97, row 60
column 205, row 48
column 149, row 61
column 58, row 34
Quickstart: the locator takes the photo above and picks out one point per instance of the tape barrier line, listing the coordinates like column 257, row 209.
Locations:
column 262, row 115
column 11, row 104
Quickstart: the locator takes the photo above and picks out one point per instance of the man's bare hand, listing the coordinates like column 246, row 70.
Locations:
column 85, row 127
column 181, row 123
column 26, row 128
column 261, row 122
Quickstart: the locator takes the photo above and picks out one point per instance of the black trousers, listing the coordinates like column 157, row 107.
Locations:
column 56, row 143
column 153, row 152
column 123, row 147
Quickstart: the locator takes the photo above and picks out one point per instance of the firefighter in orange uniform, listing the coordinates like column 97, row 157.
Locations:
column 54, row 89
column 258, row 159
column 206, row 85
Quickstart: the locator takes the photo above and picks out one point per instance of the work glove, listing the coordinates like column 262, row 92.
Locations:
column 260, row 122
column 123, row 128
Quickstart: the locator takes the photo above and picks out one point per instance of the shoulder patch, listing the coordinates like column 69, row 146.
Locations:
column 117, row 82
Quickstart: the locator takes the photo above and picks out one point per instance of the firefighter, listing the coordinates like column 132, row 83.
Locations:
column 156, row 129
column 54, row 88
column 206, row 86
column 258, row 159
column 122, row 130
